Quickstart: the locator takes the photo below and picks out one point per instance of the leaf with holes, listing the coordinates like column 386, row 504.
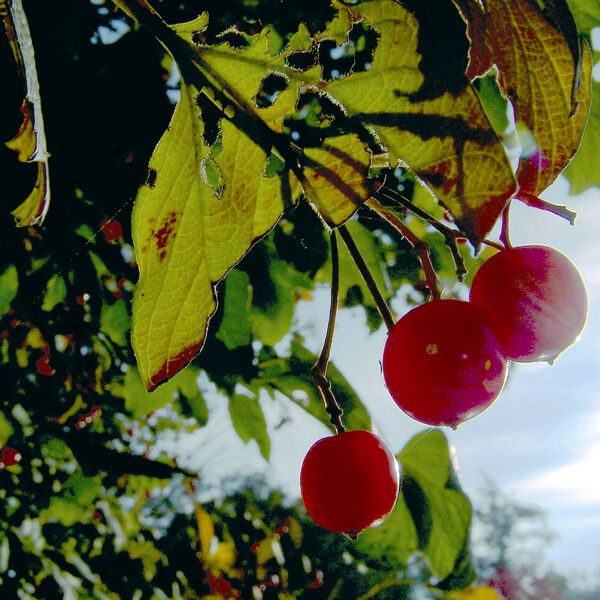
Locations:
column 417, row 98
column 188, row 235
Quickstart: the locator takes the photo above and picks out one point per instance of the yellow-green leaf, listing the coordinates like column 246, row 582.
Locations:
column 187, row 237
column 336, row 177
column 6, row 429
column 446, row 140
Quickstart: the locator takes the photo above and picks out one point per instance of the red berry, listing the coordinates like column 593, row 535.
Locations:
column 536, row 301
column 442, row 364
column 349, row 482
column 9, row 457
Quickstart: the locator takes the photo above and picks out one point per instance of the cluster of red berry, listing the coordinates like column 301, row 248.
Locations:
column 445, row 362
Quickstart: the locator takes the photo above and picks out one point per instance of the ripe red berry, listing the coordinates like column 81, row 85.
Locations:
column 9, row 457
column 442, row 364
column 536, row 301
column 349, row 482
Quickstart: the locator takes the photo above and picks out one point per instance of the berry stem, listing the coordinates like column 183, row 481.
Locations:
column 504, row 235
column 450, row 235
column 535, row 202
column 319, row 371
column 359, row 261
column 420, row 247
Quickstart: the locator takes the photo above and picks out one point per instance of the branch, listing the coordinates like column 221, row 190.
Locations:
column 359, row 261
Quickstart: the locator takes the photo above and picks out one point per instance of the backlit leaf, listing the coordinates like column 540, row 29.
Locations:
column 187, row 237
column 441, row 134
column 336, row 177
column 432, row 515
column 537, row 73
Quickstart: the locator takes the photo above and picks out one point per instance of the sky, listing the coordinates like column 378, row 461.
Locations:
column 540, row 440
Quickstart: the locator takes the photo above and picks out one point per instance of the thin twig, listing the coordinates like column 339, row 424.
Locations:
column 450, row 235
column 359, row 261
column 319, row 371
column 420, row 247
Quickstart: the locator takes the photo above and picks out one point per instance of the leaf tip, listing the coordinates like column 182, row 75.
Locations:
column 172, row 366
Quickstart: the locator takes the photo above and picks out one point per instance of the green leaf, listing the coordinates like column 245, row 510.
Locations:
column 586, row 14
column 56, row 291
column 6, row 429
column 394, row 542
column 114, row 322
column 583, row 171
column 432, row 515
column 190, row 396
column 272, row 323
column 9, row 286
column 349, row 274
column 494, row 103
column 292, row 377
column 75, row 502
column 249, row 422
column 235, row 330
column 140, row 402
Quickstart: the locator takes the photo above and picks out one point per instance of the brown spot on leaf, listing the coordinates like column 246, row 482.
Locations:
column 164, row 234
